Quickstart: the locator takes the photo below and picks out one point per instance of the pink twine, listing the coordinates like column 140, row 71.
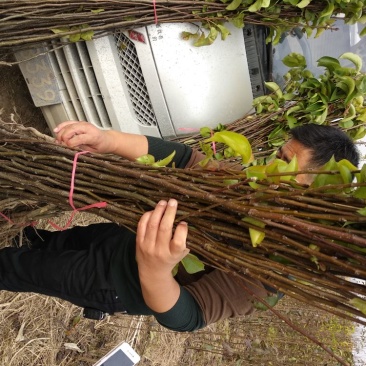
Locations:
column 213, row 143
column 71, row 200
column 71, row 193
column 155, row 12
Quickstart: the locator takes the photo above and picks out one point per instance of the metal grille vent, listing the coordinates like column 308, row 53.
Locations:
column 135, row 80
column 78, row 85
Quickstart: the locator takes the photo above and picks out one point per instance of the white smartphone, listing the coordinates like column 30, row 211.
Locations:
column 122, row 355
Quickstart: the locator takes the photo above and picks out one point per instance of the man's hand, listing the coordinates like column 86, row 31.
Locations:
column 87, row 137
column 83, row 135
column 158, row 250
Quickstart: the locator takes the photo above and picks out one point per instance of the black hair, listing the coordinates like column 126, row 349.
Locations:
column 325, row 142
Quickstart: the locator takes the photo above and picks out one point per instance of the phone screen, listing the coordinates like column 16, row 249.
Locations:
column 118, row 359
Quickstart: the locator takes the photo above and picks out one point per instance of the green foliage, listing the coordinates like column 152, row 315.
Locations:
column 150, row 160
column 345, row 175
column 191, row 263
column 81, row 36
column 339, row 92
column 269, row 300
column 256, row 236
column 200, row 38
column 275, row 172
column 280, row 17
column 235, row 144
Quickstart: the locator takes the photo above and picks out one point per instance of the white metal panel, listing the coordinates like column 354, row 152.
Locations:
column 203, row 86
column 111, row 82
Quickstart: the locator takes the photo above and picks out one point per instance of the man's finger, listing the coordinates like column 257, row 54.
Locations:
column 62, row 125
column 141, row 227
column 154, row 222
column 178, row 242
column 73, row 129
column 165, row 232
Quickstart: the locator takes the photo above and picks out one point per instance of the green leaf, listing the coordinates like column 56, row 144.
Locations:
column 360, row 193
column 274, row 87
column 363, row 32
column 238, row 21
column 207, row 149
column 350, row 115
column 294, row 60
column 291, row 121
column 201, row 41
column 218, row 156
column 75, row 37
column 256, row 236
column 303, row 3
column 358, row 303
column 204, row 162
column 328, row 11
column 165, row 161
column 236, row 141
column 284, row 167
column 220, row 127
column 146, row 159
column 97, row 11
column 234, row 5
column 256, row 171
column 205, row 131
column 361, row 86
column 325, row 179
column 212, row 35
column 270, row 300
column 360, row 133
column 320, row 119
column 347, row 123
column 256, row 6
column 309, row 31
column 355, row 59
column 362, row 211
column 188, row 35
column 192, row 264
column 330, row 63
column 60, row 30
column 347, row 84
column 223, row 31
column 87, row 36
column 277, row 136
column 345, row 168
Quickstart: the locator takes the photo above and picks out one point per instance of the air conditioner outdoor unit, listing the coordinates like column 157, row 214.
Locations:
column 146, row 81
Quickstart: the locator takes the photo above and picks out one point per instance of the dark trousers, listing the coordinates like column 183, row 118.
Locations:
column 73, row 265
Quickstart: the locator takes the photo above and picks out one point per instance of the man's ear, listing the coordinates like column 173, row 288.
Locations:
column 306, row 178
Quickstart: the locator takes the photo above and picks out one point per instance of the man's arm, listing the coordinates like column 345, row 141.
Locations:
column 158, row 250
column 88, row 137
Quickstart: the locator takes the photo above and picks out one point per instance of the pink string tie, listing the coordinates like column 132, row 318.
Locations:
column 71, row 200
column 71, row 194
column 155, row 12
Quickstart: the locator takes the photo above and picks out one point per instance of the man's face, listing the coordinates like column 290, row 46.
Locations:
column 303, row 154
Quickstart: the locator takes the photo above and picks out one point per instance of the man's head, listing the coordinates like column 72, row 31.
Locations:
column 314, row 145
